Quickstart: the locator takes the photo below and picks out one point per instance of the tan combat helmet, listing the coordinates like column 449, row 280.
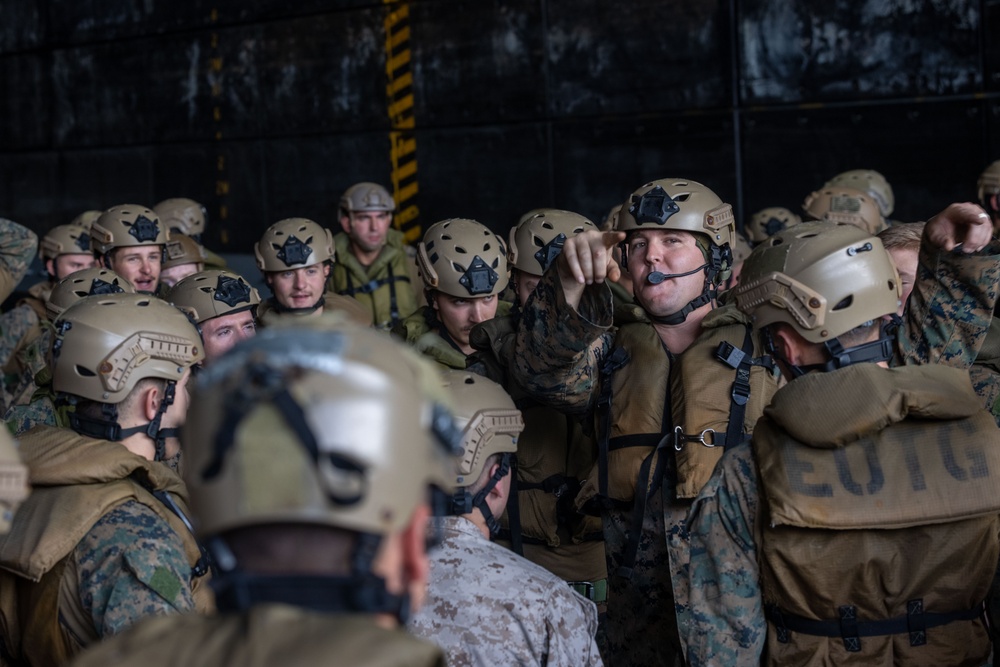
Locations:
column 96, row 281
column 14, row 487
column 850, row 206
column 871, row 183
column 182, row 215
column 769, row 221
column 682, row 205
column 127, row 225
column 64, row 240
column 988, row 187
column 85, row 219
column 538, row 239
column 462, row 258
column 317, row 422
column 213, row 293
column 823, row 279
column 294, row 243
column 105, row 345
column 490, row 424
column 366, row 197
column 182, row 249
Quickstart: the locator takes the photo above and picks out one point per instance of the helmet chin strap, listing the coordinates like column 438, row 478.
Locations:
column 874, row 351
column 108, row 428
column 462, row 502
column 708, row 294
column 285, row 310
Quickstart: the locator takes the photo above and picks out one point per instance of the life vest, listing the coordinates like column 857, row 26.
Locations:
column 76, row 481
column 389, row 287
column 721, row 385
column 880, row 494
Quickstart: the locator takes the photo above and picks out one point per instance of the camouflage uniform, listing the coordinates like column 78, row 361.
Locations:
column 38, row 411
column 18, row 327
column 486, row 605
column 267, row 634
column 389, row 287
column 101, row 572
column 728, row 624
column 18, row 246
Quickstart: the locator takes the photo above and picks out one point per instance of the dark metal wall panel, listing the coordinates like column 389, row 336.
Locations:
column 25, row 94
column 22, row 24
column 817, row 50
column 477, row 61
column 930, row 153
column 637, row 57
column 29, row 188
column 597, row 163
column 489, row 174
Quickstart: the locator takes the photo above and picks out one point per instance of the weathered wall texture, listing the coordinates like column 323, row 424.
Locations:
column 268, row 109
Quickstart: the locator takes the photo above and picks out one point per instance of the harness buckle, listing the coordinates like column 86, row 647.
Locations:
column 680, row 438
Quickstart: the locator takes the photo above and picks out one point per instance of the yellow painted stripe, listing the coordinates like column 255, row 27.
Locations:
column 398, row 61
column 406, row 170
column 406, row 214
column 409, row 192
column 400, row 107
column 400, row 36
column 398, row 84
column 405, row 146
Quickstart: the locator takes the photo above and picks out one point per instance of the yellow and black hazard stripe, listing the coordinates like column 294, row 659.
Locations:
column 221, row 179
column 399, row 99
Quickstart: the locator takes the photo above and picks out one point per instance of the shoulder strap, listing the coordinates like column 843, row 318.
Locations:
column 612, row 363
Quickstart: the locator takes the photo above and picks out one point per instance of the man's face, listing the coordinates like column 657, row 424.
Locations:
column 63, row 265
column 140, row 265
column 223, row 332
column 459, row 315
column 173, row 275
column 905, row 260
column 526, row 284
column 367, row 229
column 299, row 288
column 666, row 251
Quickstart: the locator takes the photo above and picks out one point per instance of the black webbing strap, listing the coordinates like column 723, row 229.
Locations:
column 204, row 564
column 850, row 629
column 514, row 511
column 742, row 360
column 614, row 361
column 372, row 285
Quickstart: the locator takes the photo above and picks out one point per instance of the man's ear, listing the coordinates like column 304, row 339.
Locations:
column 416, row 565
column 345, row 222
column 150, row 400
column 788, row 345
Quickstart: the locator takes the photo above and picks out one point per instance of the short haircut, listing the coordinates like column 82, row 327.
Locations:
column 902, row 236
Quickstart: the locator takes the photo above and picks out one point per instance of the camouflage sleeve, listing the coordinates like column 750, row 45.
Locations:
column 131, row 565
column 951, row 306
column 559, row 348
column 18, row 246
column 572, row 643
column 726, row 624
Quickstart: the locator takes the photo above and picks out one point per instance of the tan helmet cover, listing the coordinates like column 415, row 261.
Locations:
column 294, row 243
column 741, row 248
column 768, row 221
column 85, row 219
column 847, row 205
column 64, row 240
column 375, row 410
column 127, row 225
column 989, row 183
column 611, row 219
column 14, row 487
column 462, row 258
column 822, row 278
column 182, row 249
column 366, row 197
column 678, row 204
column 95, row 281
column 213, row 293
column 183, row 215
column 871, row 183
column 489, row 420
column 105, row 345
column 538, row 239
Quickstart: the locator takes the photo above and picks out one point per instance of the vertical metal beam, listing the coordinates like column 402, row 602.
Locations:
column 402, row 123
